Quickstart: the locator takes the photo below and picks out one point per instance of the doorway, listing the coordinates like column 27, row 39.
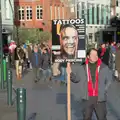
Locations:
column 108, row 36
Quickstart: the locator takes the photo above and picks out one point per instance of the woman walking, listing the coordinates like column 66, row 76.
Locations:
column 19, row 60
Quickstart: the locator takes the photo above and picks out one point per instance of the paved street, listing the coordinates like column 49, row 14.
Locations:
column 48, row 101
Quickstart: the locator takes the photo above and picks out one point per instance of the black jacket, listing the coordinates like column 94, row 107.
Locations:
column 20, row 53
column 45, row 61
column 33, row 60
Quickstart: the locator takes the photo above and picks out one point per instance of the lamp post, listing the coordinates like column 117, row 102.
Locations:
column 1, row 51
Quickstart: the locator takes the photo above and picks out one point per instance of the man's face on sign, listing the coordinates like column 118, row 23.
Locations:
column 69, row 40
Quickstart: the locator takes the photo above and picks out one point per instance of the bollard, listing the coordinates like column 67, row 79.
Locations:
column 8, row 61
column 21, row 104
column 4, row 70
column 9, row 87
column 1, row 76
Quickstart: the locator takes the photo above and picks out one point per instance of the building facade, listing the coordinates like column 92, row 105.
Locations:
column 97, row 14
column 39, row 13
column 117, row 8
column 7, row 11
column 117, row 13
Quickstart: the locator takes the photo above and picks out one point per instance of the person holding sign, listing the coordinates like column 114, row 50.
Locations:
column 68, row 39
column 95, row 78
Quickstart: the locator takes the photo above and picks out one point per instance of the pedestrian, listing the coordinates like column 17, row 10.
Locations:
column 103, row 54
column 35, row 60
column 112, row 56
column 117, row 63
column 19, row 60
column 45, row 63
column 95, row 78
column 30, row 53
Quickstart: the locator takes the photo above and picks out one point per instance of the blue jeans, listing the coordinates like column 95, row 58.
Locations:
column 62, row 76
column 46, row 74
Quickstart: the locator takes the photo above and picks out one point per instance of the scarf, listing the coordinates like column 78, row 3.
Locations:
column 93, row 91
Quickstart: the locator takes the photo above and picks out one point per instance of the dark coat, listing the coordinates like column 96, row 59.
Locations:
column 79, row 74
column 105, row 57
column 29, row 53
column 45, row 61
column 33, row 60
column 20, row 53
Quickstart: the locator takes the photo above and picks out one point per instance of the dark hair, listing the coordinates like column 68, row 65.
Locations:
column 18, row 46
column 91, row 49
column 42, row 46
column 66, row 26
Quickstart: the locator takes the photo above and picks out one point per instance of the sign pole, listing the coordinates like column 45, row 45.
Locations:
column 1, row 52
column 68, row 96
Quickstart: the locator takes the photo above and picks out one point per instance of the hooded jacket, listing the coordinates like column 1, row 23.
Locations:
column 79, row 74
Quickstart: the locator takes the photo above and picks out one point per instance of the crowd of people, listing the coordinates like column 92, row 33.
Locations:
column 36, row 57
column 109, row 54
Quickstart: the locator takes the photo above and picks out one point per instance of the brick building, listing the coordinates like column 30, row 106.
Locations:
column 39, row 13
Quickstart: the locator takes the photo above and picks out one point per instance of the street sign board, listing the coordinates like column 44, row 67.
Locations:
column 68, row 40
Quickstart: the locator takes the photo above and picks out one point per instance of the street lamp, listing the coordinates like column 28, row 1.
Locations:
column 1, row 51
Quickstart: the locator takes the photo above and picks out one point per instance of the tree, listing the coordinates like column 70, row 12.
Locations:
column 31, row 35
column 27, row 34
column 44, row 36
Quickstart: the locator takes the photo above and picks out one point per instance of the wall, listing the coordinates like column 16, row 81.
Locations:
column 28, row 23
column 98, row 26
column 7, row 24
column 46, row 22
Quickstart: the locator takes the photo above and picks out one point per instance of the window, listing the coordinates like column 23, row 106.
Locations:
column 78, row 12
column 102, row 14
column 7, row 9
column 117, row 3
column 21, row 14
column 105, row 14
column 58, row 12
column 83, row 10
column 55, row 13
column 93, row 8
column 98, row 10
column 89, row 13
column 39, row 12
column 108, row 15
column 63, row 12
column 95, row 14
column 29, row 13
column 88, row 19
column 51, row 12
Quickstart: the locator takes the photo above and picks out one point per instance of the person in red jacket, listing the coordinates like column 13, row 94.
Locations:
column 95, row 77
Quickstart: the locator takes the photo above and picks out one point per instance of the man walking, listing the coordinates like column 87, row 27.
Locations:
column 95, row 78
column 35, row 60
column 45, row 63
